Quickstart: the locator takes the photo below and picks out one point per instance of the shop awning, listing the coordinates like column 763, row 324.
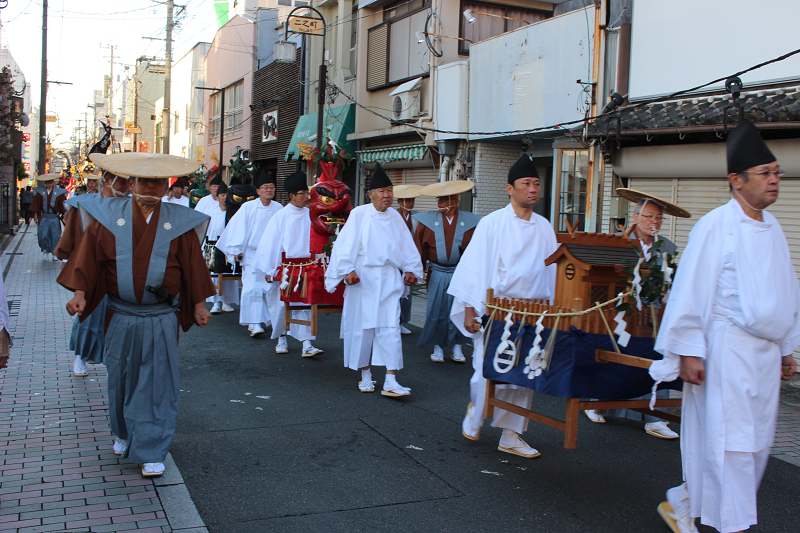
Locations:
column 338, row 123
column 398, row 153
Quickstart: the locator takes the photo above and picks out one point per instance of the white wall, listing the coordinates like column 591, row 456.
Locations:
column 681, row 44
column 525, row 79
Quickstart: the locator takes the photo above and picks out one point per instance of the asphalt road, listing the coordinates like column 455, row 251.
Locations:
column 279, row 443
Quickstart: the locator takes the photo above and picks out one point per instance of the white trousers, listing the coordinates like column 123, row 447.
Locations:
column 384, row 343
column 252, row 307
column 230, row 292
column 512, row 394
column 272, row 299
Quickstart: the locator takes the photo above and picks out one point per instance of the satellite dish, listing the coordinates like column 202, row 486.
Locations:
column 24, row 120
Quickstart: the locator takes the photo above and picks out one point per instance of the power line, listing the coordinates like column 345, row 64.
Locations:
column 580, row 120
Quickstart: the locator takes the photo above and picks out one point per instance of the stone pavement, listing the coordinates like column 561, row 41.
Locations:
column 58, row 471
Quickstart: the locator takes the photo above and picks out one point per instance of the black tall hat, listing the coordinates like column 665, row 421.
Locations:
column 379, row 179
column 216, row 180
column 263, row 178
column 523, row 168
column 746, row 149
column 223, row 189
column 179, row 183
column 295, row 183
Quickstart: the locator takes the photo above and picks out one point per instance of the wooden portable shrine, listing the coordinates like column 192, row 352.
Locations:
column 589, row 269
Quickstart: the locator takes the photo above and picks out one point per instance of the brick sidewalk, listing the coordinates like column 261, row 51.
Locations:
column 59, row 472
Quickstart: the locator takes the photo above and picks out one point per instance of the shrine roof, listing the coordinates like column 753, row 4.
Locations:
column 602, row 255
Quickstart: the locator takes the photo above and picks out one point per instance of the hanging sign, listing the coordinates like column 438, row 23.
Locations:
column 307, row 25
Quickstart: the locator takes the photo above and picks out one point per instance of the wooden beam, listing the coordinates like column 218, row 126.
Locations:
column 605, row 356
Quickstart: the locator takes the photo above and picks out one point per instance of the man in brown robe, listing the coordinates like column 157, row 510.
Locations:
column 47, row 208
column 151, row 292
column 87, row 338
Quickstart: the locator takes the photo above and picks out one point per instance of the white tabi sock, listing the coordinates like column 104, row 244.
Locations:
column 306, row 345
column 457, row 349
column 437, row 351
column 366, row 375
column 390, row 380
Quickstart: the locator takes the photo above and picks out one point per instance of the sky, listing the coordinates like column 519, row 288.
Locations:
column 79, row 39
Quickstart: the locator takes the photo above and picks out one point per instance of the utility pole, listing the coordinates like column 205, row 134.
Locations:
column 85, row 133
column 136, row 105
column 166, row 113
column 43, row 102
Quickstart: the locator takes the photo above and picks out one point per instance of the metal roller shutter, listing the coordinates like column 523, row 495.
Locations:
column 698, row 196
column 421, row 176
column 663, row 188
column 787, row 212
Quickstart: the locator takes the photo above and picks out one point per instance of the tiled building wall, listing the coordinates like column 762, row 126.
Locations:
column 492, row 161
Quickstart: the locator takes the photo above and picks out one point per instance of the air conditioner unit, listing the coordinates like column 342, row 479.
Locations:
column 405, row 102
column 405, row 107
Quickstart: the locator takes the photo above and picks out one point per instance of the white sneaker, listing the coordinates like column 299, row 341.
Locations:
column 468, row 428
column 153, row 469
column 257, row 330
column 404, row 330
column 594, row 416
column 283, row 345
column 44, row 255
column 675, row 511
column 119, row 446
column 54, row 258
column 215, row 309
column 79, row 368
column 512, row 443
column 310, row 351
column 660, row 430
column 227, row 308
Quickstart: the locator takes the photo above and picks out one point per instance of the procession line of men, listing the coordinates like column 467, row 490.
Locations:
column 729, row 329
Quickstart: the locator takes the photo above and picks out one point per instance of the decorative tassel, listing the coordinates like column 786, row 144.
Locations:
column 299, row 275
column 535, row 360
column 285, row 278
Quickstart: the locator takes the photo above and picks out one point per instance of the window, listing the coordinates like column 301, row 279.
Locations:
column 571, row 186
column 214, row 120
column 353, row 60
column 234, row 104
column 393, row 53
column 486, row 26
column 402, row 8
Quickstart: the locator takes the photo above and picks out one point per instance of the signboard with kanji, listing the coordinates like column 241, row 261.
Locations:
column 307, row 25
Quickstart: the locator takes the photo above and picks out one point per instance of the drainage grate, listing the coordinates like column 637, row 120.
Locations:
column 13, row 307
column 13, row 253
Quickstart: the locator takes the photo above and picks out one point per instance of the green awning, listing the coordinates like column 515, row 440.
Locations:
column 338, row 123
column 399, row 153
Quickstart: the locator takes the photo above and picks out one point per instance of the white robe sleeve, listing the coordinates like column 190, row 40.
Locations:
column 233, row 238
column 268, row 253
column 412, row 261
column 688, row 314
column 345, row 250
column 473, row 274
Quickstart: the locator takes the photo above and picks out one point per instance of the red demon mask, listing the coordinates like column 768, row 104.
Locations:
column 329, row 205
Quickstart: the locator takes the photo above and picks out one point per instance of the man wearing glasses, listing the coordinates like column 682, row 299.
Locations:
column 286, row 236
column 729, row 330
column 648, row 215
column 240, row 239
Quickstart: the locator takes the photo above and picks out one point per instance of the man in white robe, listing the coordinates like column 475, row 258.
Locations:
column 506, row 253
column 732, row 321
column 288, row 234
column 376, row 258
column 208, row 204
column 230, row 288
column 240, row 241
column 176, row 195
